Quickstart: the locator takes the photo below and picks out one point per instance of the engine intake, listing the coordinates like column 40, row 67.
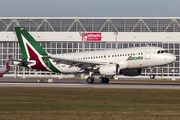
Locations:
column 109, row 69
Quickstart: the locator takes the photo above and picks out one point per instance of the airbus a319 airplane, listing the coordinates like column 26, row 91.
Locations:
column 126, row 61
column 4, row 70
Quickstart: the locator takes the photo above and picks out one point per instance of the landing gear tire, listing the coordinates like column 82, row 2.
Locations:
column 105, row 80
column 152, row 76
column 90, row 80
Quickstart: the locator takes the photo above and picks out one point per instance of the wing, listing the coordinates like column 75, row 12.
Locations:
column 72, row 62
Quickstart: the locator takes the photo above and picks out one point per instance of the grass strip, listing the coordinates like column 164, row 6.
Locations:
column 88, row 103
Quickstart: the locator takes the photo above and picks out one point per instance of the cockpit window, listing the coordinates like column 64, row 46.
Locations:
column 162, row 51
column 165, row 51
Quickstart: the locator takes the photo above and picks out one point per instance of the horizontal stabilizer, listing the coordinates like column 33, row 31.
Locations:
column 19, row 62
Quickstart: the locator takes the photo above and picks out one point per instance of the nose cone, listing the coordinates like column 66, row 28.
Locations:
column 174, row 58
column 171, row 58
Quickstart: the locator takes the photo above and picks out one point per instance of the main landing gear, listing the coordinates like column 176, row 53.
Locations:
column 91, row 80
column 105, row 80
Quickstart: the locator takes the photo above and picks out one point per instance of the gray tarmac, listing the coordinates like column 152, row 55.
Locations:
column 73, row 83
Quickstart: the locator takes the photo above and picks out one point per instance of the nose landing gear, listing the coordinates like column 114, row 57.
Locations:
column 152, row 76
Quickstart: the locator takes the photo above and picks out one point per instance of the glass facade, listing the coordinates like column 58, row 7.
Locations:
column 90, row 25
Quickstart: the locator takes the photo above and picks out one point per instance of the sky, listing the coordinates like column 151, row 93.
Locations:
column 89, row 8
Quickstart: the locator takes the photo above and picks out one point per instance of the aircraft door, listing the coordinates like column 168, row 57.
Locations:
column 148, row 53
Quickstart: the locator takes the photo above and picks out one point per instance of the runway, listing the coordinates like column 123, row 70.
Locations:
column 82, row 84
column 75, row 85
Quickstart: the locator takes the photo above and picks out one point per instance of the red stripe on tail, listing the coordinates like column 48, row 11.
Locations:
column 34, row 56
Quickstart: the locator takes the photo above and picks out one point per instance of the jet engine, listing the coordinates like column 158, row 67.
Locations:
column 131, row 72
column 109, row 69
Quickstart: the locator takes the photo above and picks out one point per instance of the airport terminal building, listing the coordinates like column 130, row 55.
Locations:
column 64, row 35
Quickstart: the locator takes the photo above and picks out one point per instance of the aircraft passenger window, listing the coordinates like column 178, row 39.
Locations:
column 125, row 54
column 108, row 55
column 118, row 55
column 133, row 53
column 158, row 52
column 162, row 51
column 112, row 55
column 115, row 55
column 138, row 53
column 141, row 53
column 104, row 56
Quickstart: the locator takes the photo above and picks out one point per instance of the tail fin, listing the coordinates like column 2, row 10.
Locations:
column 29, row 47
column 8, row 64
column 32, row 52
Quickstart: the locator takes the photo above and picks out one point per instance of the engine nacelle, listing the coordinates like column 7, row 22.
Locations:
column 109, row 69
column 131, row 72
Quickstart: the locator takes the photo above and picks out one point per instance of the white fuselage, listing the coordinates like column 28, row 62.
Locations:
column 127, row 58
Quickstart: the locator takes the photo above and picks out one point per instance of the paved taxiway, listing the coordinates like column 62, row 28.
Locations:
column 10, row 82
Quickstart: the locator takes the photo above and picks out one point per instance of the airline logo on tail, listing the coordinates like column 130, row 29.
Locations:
column 34, row 55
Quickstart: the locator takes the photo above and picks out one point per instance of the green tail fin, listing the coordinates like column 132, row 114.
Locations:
column 29, row 47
